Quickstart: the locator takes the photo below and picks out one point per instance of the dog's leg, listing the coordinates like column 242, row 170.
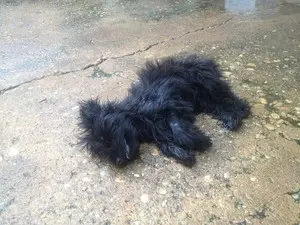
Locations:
column 187, row 158
column 188, row 136
column 179, row 138
column 231, row 110
column 224, row 105
column 213, row 95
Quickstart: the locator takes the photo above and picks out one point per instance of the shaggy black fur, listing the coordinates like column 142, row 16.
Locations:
column 161, row 108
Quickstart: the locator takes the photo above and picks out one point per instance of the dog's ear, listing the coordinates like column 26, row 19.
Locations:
column 89, row 110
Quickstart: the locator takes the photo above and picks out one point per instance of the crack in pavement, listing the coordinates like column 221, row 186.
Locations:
column 174, row 38
column 56, row 74
column 103, row 59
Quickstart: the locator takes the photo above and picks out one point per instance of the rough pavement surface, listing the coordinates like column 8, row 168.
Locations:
column 56, row 53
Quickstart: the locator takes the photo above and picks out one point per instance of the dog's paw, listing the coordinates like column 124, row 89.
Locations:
column 186, row 158
column 232, row 123
column 233, row 114
column 203, row 144
column 188, row 161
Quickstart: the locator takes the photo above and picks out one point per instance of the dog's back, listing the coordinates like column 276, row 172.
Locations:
column 188, row 67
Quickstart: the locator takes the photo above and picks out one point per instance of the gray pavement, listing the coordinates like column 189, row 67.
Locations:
column 56, row 53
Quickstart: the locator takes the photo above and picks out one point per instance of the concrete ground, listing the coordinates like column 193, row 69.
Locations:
column 56, row 53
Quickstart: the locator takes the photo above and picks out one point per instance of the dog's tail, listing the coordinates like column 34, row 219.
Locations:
column 88, row 113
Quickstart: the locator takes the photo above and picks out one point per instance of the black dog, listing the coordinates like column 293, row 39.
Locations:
column 161, row 108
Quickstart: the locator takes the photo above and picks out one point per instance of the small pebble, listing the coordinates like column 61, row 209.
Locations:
column 259, row 109
column 226, row 73
column 292, row 117
column 232, row 67
column 198, row 195
column 278, row 104
column 154, row 152
column 136, row 175
column 162, row 191
column 226, row 175
column 270, row 126
column 263, row 101
column 13, row 152
column 208, row 179
column 275, row 116
column 249, row 69
column 251, row 65
column 297, row 108
column 145, row 198
column 280, row 121
column 119, row 180
column 288, row 101
column 165, row 183
column 283, row 114
column 253, row 178
column 232, row 158
column 102, row 173
column 259, row 136
column 296, row 196
column 1, row 158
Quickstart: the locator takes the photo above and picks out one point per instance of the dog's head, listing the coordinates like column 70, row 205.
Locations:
column 108, row 131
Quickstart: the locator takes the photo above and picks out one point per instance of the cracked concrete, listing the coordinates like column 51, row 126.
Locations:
column 55, row 54
column 103, row 59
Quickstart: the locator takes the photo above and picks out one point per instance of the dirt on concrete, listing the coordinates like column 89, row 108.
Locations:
column 56, row 53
